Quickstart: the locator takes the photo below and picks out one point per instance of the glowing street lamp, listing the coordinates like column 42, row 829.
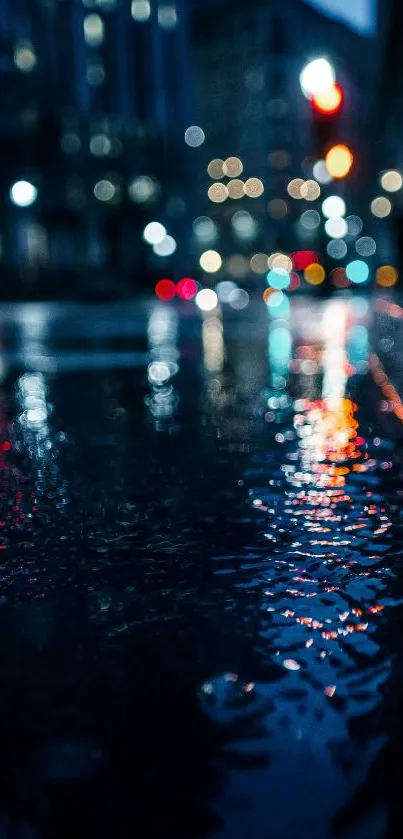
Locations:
column 317, row 77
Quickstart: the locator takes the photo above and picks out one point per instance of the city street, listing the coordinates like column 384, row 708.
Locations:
column 200, row 601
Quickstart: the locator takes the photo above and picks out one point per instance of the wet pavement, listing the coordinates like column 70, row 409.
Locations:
column 200, row 583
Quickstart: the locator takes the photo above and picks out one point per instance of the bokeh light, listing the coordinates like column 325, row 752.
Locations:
column 339, row 161
column 167, row 17
column 333, row 206
column 328, row 101
column 154, row 232
column 206, row 299
column 210, row 261
column 314, row 273
column 253, row 187
column 310, row 219
column 224, row 289
column 301, row 259
column 235, row 188
column 387, row 276
column 365, row 246
column 310, row 190
column 258, row 263
column 237, row 265
column 316, row 77
column 336, row 228
column 321, row 172
column 278, row 304
column 338, row 278
column 194, row 136
column 23, row 194
column 215, row 168
column 140, row 10
column 24, row 56
column 165, row 289
column 277, row 208
column 391, row 181
column 104, row 190
column 278, row 278
column 354, row 225
column 187, row 288
column 337, row 249
column 232, row 167
column 144, row 189
column 357, row 271
column 280, row 260
column 244, row 225
column 238, row 299
column 217, row 193
column 205, row 230
column 294, row 188
column 93, row 30
column 166, row 247
column 381, row 207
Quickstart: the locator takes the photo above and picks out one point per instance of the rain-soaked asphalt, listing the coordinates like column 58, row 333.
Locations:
column 201, row 573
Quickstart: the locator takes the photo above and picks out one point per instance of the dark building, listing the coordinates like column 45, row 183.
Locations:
column 248, row 58
column 94, row 103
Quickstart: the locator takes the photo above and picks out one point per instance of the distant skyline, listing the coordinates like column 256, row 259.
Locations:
column 359, row 14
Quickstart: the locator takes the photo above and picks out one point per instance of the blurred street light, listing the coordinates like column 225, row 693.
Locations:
column 23, row 194
column 316, row 77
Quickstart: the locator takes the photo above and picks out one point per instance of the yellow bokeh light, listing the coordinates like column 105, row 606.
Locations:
column 210, row 261
column 258, row 263
column 387, row 276
column 232, row 167
column 339, row 161
column 294, row 188
column 235, row 188
column 253, row 187
column 217, row 193
column 215, row 169
column 391, row 181
column 310, row 190
column 314, row 273
column 381, row 207
column 280, row 260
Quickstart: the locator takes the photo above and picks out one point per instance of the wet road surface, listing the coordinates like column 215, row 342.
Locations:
column 201, row 579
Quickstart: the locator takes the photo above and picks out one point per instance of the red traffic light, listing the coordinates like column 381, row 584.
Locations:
column 329, row 101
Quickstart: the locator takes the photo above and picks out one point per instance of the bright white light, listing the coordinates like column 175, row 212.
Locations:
column 194, row 136
column 93, row 30
column 23, row 194
column 166, row 247
column 154, row 232
column 141, row 10
column 336, row 228
column 210, row 261
column 206, row 299
column 333, row 207
column 316, row 77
